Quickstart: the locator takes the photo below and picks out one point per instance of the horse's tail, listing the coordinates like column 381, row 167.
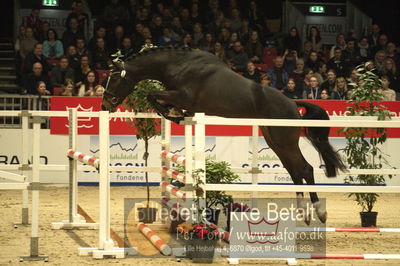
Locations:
column 319, row 138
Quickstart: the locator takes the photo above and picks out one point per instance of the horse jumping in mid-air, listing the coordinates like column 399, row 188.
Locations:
column 198, row 81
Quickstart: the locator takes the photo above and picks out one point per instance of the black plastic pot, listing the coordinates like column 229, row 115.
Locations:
column 212, row 215
column 368, row 219
column 147, row 215
column 201, row 251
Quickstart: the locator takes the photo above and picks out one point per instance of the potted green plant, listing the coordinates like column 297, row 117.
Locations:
column 216, row 173
column 363, row 149
column 146, row 129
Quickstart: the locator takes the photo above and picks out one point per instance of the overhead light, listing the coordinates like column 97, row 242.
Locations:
column 317, row 9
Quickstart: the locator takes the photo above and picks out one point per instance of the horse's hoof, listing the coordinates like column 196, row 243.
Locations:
column 323, row 216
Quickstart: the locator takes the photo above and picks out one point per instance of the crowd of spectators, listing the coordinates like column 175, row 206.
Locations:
column 236, row 32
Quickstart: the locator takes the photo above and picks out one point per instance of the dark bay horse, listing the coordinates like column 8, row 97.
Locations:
column 198, row 81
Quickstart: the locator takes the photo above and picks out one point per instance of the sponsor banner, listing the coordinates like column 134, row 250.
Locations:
column 128, row 151
column 118, row 126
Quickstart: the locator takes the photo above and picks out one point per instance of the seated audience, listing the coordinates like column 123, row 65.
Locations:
column 330, row 82
column 80, row 72
column 61, row 73
column 36, row 56
column 252, row 73
column 238, row 57
column 27, row 44
column 254, row 48
column 340, row 91
column 388, row 93
column 315, row 38
column 336, row 63
column 313, row 92
column 52, row 47
column 101, row 56
column 324, row 95
column 279, row 76
column 68, row 88
column 291, row 91
column 29, row 84
column 87, row 87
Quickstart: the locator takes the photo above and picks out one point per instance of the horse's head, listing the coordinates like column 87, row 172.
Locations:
column 117, row 88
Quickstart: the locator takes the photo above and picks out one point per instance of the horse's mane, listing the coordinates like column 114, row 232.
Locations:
column 154, row 50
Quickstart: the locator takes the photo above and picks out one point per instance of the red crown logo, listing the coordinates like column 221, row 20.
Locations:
column 261, row 231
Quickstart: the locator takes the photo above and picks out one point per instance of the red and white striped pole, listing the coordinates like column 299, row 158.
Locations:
column 155, row 239
column 173, row 190
column 83, row 158
column 176, row 158
column 174, row 174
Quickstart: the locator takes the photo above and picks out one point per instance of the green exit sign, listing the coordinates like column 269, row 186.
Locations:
column 50, row 2
column 317, row 9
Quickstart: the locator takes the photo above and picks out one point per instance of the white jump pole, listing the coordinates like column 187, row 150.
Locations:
column 106, row 244
column 190, row 193
column 199, row 154
column 254, row 165
column 35, row 187
column 74, row 219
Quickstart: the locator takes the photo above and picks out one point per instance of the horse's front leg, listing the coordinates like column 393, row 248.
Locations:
column 164, row 103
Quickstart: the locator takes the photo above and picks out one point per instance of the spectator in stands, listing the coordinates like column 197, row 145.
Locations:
column 166, row 39
column 186, row 41
column 330, row 82
column 52, row 46
column 374, row 36
column 313, row 61
column 216, row 23
column 101, row 55
column 391, row 73
column 126, row 47
column 324, row 95
column 81, row 49
column 146, row 34
column 68, row 88
column 340, row 43
column 88, row 85
column 27, row 43
column 98, row 91
column 370, row 66
column 308, row 73
column 82, row 70
column 41, row 89
column 72, row 33
column 388, row 93
column 43, row 33
column 184, row 16
column 177, row 30
column 20, row 36
column 382, row 44
column 291, row 91
column 61, row 73
column 36, row 56
column 195, row 15
column 313, row 92
column 265, row 80
column 380, row 57
column 391, row 52
column 321, row 73
column 292, row 42
column 279, row 77
column 290, row 60
column 340, row 91
column 207, row 42
column 33, row 21
column 144, row 16
column 254, row 48
column 307, row 48
column 224, row 37
column 156, row 27
column 298, row 73
column 79, row 13
column 255, row 16
column 100, row 33
column 29, row 84
column 219, row 51
column 232, row 39
column 116, row 39
column 73, row 57
column 315, row 38
column 352, row 79
column 252, row 73
column 235, row 20
column 365, row 50
column 238, row 57
column 336, row 63
column 197, row 33
column 115, row 14
column 351, row 55
column 244, row 31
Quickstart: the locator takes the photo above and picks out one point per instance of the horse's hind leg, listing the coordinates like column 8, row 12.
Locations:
column 284, row 142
